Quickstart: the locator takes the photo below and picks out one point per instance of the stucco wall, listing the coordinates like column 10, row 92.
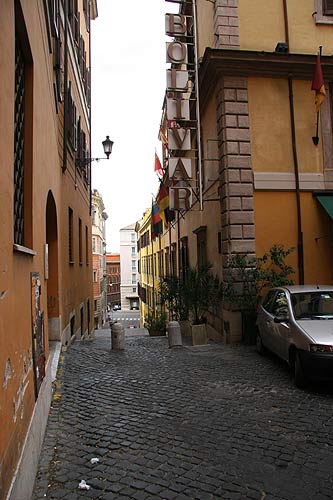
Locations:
column 276, row 222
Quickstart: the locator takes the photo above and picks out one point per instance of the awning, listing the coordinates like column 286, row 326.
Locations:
column 326, row 201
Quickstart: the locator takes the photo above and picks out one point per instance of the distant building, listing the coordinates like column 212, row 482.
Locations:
column 99, row 217
column 153, row 265
column 129, row 268
column 112, row 279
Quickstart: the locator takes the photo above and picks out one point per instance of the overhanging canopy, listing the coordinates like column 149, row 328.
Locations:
column 326, row 201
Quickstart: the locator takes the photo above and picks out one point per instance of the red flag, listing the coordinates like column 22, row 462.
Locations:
column 318, row 85
column 158, row 167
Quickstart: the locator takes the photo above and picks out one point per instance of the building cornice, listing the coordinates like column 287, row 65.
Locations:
column 217, row 63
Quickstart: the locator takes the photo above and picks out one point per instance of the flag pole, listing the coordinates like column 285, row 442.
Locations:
column 315, row 138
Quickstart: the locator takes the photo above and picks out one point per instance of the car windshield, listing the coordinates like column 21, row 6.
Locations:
column 312, row 305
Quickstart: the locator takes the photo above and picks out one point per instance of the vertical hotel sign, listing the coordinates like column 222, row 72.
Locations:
column 179, row 92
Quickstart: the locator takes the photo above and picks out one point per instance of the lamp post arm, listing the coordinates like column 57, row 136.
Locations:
column 86, row 161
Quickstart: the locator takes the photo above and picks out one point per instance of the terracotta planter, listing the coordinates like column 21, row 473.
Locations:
column 199, row 334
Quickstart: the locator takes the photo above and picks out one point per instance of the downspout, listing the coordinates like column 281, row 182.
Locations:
column 64, row 147
column 178, row 244
column 286, row 23
column 300, row 248
column 152, row 269
column 170, row 262
column 298, row 193
column 89, row 105
column 159, row 266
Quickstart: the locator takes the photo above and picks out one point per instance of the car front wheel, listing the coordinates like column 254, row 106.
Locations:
column 259, row 345
column 299, row 376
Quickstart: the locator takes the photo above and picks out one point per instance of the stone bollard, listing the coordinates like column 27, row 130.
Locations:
column 118, row 337
column 174, row 335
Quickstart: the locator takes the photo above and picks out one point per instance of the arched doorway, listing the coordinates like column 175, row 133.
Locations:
column 51, row 260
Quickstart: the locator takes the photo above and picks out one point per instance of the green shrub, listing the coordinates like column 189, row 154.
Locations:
column 247, row 278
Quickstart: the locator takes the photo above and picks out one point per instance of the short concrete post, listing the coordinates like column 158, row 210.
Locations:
column 174, row 335
column 118, row 337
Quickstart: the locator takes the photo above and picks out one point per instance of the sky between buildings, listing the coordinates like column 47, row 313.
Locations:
column 128, row 86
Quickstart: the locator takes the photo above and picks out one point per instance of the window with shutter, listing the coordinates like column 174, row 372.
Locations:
column 328, row 7
column 78, row 137
column 54, row 7
column 70, row 236
column 57, row 65
column 47, row 15
column 76, row 32
column 72, row 121
column 323, row 11
column 86, row 10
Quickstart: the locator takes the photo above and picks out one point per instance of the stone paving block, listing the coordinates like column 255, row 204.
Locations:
column 140, row 495
column 219, row 424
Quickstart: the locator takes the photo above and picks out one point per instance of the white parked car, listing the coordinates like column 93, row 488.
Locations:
column 296, row 323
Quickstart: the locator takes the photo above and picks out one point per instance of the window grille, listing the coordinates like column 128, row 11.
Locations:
column 19, row 144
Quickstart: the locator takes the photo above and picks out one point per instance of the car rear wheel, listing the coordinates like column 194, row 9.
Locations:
column 300, row 379
column 259, row 345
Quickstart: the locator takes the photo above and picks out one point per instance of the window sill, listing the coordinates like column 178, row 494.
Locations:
column 324, row 20
column 24, row 250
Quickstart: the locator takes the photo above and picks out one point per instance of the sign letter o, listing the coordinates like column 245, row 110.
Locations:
column 177, row 52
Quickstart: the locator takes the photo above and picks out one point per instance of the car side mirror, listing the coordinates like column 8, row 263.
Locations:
column 281, row 319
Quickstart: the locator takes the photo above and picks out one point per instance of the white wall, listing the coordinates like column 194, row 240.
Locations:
column 126, row 259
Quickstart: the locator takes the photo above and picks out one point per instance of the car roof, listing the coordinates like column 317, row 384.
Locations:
column 307, row 288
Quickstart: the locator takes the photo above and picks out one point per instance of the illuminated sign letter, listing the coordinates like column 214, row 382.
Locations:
column 178, row 109
column 180, row 198
column 179, row 138
column 177, row 80
column 176, row 52
column 180, row 168
column 175, row 24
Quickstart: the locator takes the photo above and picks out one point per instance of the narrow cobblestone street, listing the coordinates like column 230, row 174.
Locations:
column 214, row 422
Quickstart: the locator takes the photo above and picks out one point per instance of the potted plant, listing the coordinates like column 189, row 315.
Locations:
column 247, row 278
column 172, row 294
column 202, row 292
column 156, row 324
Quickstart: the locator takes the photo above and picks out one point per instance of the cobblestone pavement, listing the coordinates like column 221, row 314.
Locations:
column 215, row 422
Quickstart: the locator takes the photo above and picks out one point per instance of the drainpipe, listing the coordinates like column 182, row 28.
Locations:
column 64, row 146
column 178, row 244
column 153, row 277
column 286, row 24
column 90, row 131
column 298, row 193
column 300, row 247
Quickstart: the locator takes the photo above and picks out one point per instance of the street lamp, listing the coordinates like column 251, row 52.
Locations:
column 107, row 146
